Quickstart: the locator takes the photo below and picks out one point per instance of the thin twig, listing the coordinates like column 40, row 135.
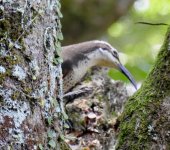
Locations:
column 153, row 24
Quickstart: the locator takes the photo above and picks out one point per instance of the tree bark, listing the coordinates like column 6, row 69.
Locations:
column 145, row 122
column 30, row 34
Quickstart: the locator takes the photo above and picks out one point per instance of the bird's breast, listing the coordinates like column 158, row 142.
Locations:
column 75, row 75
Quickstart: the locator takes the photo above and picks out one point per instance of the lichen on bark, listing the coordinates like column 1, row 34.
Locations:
column 145, row 121
column 28, row 74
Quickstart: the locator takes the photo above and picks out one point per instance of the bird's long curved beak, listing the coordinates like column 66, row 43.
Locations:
column 127, row 74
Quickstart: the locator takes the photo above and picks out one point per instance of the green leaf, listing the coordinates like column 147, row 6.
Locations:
column 62, row 137
column 50, row 134
column 40, row 146
column 60, row 36
column 52, row 143
column 49, row 120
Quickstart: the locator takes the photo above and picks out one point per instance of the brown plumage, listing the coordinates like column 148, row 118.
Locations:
column 78, row 58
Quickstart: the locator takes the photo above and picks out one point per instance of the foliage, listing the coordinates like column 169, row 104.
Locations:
column 140, row 43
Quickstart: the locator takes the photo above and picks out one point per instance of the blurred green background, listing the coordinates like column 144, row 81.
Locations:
column 138, row 43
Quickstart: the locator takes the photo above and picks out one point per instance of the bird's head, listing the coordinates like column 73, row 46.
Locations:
column 110, row 58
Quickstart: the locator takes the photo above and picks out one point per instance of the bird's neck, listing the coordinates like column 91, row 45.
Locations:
column 79, row 70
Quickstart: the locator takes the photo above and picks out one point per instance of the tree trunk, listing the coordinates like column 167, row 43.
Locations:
column 145, row 122
column 30, row 34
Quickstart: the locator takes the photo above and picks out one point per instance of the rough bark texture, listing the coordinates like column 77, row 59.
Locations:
column 86, row 20
column 30, row 32
column 145, row 122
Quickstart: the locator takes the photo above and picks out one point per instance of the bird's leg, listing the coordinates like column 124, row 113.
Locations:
column 70, row 96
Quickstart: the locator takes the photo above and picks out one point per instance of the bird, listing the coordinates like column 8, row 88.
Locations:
column 79, row 58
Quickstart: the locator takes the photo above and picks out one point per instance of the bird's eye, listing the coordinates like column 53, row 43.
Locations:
column 105, row 49
column 115, row 54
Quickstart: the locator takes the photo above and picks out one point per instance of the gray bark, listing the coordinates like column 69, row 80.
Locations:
column 30, row 34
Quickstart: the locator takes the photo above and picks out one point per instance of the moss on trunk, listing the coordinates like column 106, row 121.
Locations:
column 30, row 35
column 144, row 123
